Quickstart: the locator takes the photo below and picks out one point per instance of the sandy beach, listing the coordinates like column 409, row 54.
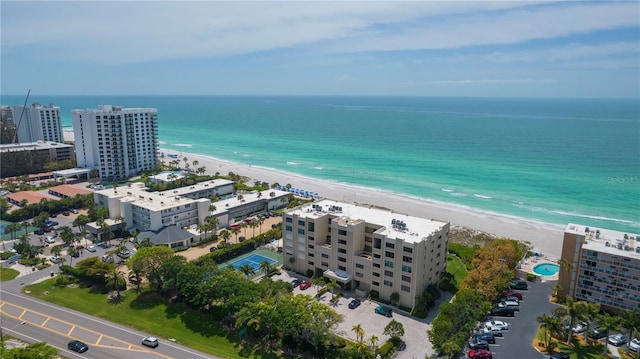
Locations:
column 545, row 238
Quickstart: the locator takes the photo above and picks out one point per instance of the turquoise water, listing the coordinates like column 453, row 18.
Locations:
column 550, row 160
column 546, row 269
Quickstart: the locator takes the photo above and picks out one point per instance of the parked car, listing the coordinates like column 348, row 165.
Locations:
column 509, row 304
column 495, row 331
column 618, row 340
column 487, row 337
column 497, row 323
column 597, row 333
column 480, row 354
column 65, row 213
column 519, row 284
column 475, row 343
column 295, row 283
column 75, row 254
column 213, row 249
column 39, row 231
column 74, row 211
column 560, row 356
column 305, row 285
column 49, row 239
column 92, row 249
column 512, row 293
column 503, row 311
column 241, row 239
column 387, row 312
column 55, row 259
column 634, row 345
column 151, row 342
column 124, row 254
column 354, row 304
column 46, row 229
column 77, row 346
column 512, row 298
column 108, row 259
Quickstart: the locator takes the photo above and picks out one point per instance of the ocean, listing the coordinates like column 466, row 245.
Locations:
column 548, row 160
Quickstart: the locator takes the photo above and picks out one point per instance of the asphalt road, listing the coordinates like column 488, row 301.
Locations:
column 57, row 326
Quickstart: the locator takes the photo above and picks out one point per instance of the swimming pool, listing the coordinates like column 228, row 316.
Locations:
column 546, row 269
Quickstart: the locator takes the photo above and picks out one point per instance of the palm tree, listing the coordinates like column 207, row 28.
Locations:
column 572, row 312
column 225, row 235
column 631, row 322
column 235, row 231
column 591, row 311
column 608, row 323
column 247, row 270
column 71, row 252
column 254, row 225
column 373, row 342
column 317, row 281
column 265, row 266
column 115, row 279
column 359, row 332
column 331, row 285
column 546, row 321
column 56, row 250
column 212, row 208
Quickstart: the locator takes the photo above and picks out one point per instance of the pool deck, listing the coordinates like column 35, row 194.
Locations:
column 528, row 264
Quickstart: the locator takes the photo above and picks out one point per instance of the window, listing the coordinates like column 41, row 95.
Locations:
column 388, row 273
column 288, row 228
column 406, row 269
column 388, row 283
column 301, row 222
column 377, row 242
column 342, row 259
column 389, row 245
column 405, row 288
column 342, row 232
column 300, row 231
column 376, row 274
column 359, row 266
column 325, row 264
column 388, row 264
column 288, row 220
column 324, row 255
column 342, row 250
column 376, row 265
column 406, row 278
column 376, row 255
column 407, row 259
column 342, row 241
column 407, row 249
column 388, row 254
column 376, row 284
column 359, row 275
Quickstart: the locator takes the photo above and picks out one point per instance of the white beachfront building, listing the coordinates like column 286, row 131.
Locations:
column 36, row 122
column 366, row 248
column 119, row 142
column 184, row 207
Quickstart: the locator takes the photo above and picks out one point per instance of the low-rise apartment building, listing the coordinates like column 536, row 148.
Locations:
column 366, row 248
column 604, row 267
column 185, row 206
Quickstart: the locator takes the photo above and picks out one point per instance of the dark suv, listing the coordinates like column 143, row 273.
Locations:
column 503, row 311
column 475, row 343
column 487, row 337
column 519, row 284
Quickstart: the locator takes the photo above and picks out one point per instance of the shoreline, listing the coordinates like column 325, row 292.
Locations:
column 544, row 237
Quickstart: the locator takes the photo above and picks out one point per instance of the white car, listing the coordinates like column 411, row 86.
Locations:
column 92, row 249
column 496, row 324
column 55, row 259
column 509, row 303
column 151, row 342
column 49, row 240
column 634, row 345
column 496, row 331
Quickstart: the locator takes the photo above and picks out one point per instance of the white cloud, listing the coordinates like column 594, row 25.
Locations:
column 130, row 32
column 487, row 81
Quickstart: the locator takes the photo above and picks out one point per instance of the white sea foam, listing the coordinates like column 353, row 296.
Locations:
column 292, row 163
column 573, row 214
column 317, row 168
column 447, row 190
column 482, row 196
column 162, row 142
column 183, row 145
column 458, row 194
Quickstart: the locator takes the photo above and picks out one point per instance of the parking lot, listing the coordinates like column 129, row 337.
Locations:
column 517, row 340
column 415, row 329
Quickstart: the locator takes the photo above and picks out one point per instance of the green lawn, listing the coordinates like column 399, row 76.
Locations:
column 149, row 313
column 8, row 274
column 456, row 267
column 577, row 349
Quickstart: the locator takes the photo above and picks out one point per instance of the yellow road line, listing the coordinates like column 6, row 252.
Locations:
column 130, row 347
column 45, row 322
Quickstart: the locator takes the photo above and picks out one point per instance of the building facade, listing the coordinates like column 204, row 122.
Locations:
column 604, row 267
column 38, row 123
column 182, row 207
column 366, row 249
column 118, row 142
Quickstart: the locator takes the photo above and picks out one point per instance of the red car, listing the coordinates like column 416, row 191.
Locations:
column 512, row 293
column 480, row 354
column 47, row 229
column 304, row 285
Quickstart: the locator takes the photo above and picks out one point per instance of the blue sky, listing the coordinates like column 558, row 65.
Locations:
column 428, row 48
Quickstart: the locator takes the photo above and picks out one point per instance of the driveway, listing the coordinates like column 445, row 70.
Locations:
column 415, row 329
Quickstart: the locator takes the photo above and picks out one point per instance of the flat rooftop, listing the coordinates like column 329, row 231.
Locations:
column 607, row 240
column 395, row 225
column 29, row 146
